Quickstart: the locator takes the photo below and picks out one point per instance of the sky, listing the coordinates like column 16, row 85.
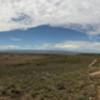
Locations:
column 50, row 25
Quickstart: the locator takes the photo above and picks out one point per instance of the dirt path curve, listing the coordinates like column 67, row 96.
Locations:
column 96, row 73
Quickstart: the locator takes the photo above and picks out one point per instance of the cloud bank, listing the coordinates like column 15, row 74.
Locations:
column 82, row 15
column 8, row 47
column 74, row 46
column 78, row 46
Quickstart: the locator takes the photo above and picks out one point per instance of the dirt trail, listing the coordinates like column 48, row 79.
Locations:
column 96, row 73
column 93, row 75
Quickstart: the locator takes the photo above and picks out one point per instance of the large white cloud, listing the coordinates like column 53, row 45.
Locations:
column 83, row 15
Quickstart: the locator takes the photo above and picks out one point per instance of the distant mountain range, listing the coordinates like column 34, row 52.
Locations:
column 58, row 52
column 39, row 52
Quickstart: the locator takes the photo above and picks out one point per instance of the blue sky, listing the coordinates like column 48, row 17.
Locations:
column 49, row 38
column 69, row 25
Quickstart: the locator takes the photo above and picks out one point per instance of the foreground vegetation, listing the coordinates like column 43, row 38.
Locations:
column 47, row 77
